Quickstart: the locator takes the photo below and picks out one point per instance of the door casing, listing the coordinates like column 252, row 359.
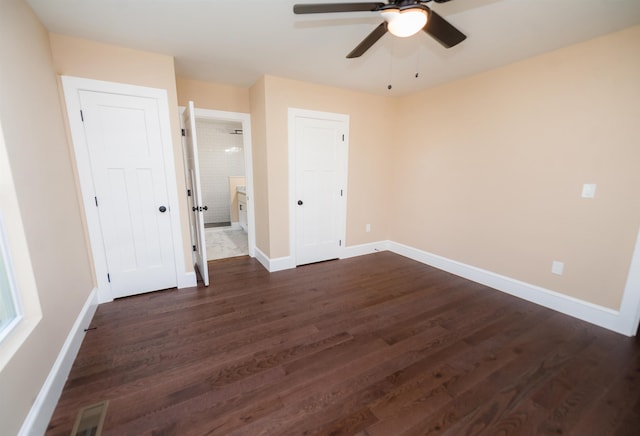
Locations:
column 71, row 87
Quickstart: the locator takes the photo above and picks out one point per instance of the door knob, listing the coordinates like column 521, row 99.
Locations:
column 162, row 209
column 194, row 209
column 205, row 208
column 300, row 203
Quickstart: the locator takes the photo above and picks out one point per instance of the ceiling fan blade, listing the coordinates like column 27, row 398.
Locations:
column 321, row 8
column 371, row 39
column 443, row 31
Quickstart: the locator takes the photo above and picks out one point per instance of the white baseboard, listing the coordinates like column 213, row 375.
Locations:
column 262, row 258
column 277, row 264
column 362, row 249
column 104, row 296
column 592, row 313
column 43, row 407
column 187, row 280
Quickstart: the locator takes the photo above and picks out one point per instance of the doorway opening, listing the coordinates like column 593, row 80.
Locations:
column 219, row 176
column 223, row 183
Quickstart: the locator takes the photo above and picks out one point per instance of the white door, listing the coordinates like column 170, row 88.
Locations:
column 197, row 208
column 320, row 179
column 125, row 148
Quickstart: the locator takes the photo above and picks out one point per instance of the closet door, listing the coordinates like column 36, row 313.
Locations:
column 320, row 150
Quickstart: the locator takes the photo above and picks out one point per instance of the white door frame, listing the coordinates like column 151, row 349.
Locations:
column 72, row 87
column 342, row 212
column 630, row 304
column 245, row 120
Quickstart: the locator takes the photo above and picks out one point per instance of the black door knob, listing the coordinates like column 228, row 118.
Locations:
column 162, row 209
column 205, row 208
column 299, row 202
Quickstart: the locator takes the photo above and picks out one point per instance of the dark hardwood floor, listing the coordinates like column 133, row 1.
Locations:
column 374, row 345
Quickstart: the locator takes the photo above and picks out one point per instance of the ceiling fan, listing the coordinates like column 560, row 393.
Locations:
column 401, row 18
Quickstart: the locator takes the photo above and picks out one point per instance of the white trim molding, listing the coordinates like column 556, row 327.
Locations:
column 624, row 322
column 45, row 403
column 187, row 280
column 277, row 264
column 630, row 306
column 362, row 249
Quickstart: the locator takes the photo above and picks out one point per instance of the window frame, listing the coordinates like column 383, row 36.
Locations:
column 12, row 294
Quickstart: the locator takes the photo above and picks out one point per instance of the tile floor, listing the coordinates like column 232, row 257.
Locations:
column 223, row 242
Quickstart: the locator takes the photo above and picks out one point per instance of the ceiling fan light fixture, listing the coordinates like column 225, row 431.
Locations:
column 405, row 22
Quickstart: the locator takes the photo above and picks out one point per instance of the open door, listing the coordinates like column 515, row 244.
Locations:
column 197, row 208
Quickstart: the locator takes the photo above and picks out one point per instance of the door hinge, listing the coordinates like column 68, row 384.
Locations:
column 194, row 248
column 340, row 242
column 108, row 278
column 183, row 132
column 81, row 115
column 188, row 192
column 96, row 199
column 341, row 193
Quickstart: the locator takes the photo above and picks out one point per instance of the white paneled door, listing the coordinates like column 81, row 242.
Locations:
column 197, row 206
column 123, row 137
column 320, row 183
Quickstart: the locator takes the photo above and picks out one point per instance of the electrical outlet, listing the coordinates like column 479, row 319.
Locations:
column 367, row 228
column 588, row 190
column 557, row 267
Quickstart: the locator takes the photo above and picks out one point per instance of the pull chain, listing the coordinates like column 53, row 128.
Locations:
column 389, row 86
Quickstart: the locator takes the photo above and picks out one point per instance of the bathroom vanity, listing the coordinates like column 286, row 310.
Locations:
column 242, row 207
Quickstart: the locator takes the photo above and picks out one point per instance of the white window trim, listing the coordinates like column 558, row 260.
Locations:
column 13, row 289
column 22, row 269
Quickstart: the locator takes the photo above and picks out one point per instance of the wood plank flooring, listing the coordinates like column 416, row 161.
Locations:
column 374, row 345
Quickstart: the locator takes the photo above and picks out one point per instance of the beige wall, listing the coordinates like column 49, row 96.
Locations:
column 491, row 168
column 370, row 147
column 216, row 96
column 260, row 169
column 42, row 176
column 93, row 60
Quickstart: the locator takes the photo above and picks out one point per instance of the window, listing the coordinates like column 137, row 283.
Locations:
column 10, row 312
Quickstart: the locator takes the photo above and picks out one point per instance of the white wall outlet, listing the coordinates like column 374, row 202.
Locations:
column 367, row 228
column 588, row 190
column 557, row 267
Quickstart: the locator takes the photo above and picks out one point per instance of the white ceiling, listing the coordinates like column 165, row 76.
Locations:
column 237, row 41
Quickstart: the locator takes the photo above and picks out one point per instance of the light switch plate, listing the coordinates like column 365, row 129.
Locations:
column 588, row 190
